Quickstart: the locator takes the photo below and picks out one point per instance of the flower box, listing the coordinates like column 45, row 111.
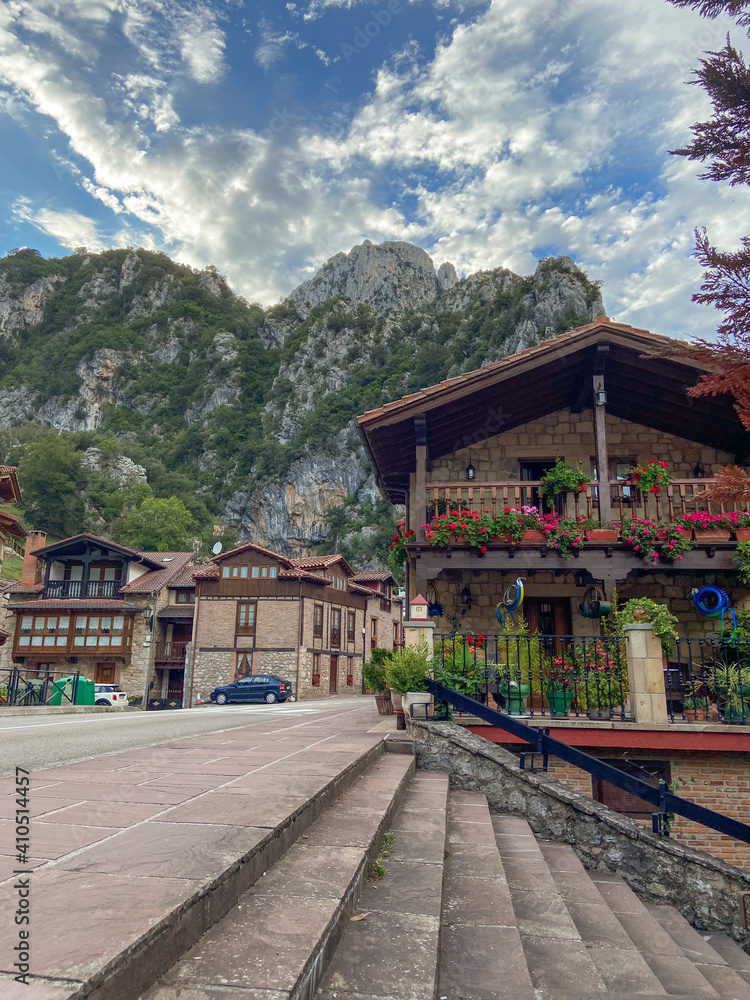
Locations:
column 603, row 535
column 662, row 534
column 504, row 539
column 459, row 538
column 742, row 534
column 533, row 535
column 711, row 535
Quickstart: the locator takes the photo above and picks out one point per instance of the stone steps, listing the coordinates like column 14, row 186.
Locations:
column 471, row 906
column 279, row 938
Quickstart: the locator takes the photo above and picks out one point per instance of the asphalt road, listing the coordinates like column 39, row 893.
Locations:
column 58, row 739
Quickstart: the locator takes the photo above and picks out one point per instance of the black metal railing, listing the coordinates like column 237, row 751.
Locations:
column 335, row 636
column 664, row 801
column 708, row 679
column 536, row 675
column 24, row 688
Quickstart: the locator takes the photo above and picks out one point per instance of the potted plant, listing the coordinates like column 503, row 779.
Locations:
column 508, row 526
column 742, row 558
column 740, row 521
column 559, row 691
column 564, row 535
column 696, row 709
column 562, row 478
column 707, row 527
column 644, row 610
column 731, row 683
column 531, row 526
column 406, row 674
column 373, row 674
column 397, row 553
column 601, row 531
column 651, row 477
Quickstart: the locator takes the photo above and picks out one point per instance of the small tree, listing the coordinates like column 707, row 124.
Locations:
column 160, row 524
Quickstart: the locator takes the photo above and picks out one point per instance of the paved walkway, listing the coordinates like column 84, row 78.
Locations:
column 123, row 844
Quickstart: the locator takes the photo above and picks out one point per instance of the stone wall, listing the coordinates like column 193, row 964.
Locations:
column 704, row 889
column 572, row 436
column 719, row 781
column 665, row 586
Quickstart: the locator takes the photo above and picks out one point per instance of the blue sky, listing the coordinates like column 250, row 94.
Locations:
column 264, row 137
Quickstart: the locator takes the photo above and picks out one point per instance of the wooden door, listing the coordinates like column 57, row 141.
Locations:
column 548, row 615
column 105, row 673
column 333, row 676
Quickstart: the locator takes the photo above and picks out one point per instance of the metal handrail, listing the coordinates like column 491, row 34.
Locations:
column 664, row 801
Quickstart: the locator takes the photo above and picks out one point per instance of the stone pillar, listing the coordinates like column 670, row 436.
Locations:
column 417, row 632
column 648, row 700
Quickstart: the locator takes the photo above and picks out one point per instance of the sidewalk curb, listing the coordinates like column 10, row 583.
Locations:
column 28, row 710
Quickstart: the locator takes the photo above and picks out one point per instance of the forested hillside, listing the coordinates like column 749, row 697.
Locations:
column 134, row 390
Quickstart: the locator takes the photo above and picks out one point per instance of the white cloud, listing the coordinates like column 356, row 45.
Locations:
column 71, row 229
column 529, row 128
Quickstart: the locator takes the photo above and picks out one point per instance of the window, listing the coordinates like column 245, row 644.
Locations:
column 350, row 626
column 96, row 632
column 244, row 665
column 225, row 570
column 316, row 668
column 335, row 626
column 245, row 618
column 186, row 597
column 44, row 631
column 373, row 633
column 247, row 571
column 350, row 672
column 396, row 634
column 264, row 572
column 318, row 620
column 338, row 582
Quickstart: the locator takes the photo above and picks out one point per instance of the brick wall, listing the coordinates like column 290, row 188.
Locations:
column 718, row 781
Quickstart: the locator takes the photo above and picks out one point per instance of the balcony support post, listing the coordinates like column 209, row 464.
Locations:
column 420, row 498
column 602, row 459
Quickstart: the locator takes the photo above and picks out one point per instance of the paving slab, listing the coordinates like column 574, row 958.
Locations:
column 129, row 871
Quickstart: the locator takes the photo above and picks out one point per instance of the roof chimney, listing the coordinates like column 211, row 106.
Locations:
column 31, row 572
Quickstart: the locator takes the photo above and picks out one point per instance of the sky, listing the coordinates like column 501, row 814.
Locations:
column 263, row 137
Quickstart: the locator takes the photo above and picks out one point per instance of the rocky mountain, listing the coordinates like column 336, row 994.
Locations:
column 162, row 378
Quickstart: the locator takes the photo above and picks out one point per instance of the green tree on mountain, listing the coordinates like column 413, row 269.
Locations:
column 159, row 524
column 53, row 480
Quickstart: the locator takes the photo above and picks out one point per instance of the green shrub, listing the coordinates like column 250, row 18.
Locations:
column 408, row 670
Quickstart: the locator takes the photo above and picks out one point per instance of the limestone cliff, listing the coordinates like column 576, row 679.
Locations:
column 251, row 410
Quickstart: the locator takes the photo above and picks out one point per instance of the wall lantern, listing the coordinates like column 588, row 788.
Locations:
column 148, row 612
column 698, row 471
column 470, row 470
column 466, row 598
column 601, row 397
column 581, row 577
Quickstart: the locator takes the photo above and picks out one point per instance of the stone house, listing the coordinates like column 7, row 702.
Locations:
column 12, row 536
column 608, row 397
column 89, row 605
column 308, row 621
column 508, row 422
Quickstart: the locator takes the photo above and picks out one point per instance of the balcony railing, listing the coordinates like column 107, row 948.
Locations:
column 706, row 679
column 77, row 589
column 681, row 496
column 335, row 636
column 170, row 652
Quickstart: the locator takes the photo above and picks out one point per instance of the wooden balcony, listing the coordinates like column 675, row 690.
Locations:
column 681, row 497
column 335, row 637
column 170, row 652
column 78, row 589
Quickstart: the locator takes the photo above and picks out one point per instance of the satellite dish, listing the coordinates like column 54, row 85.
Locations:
column 217, row 548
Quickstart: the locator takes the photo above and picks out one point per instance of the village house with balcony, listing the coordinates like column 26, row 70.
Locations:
column 309, row 621
column 12, row 538
column 90, row 606
column 604, row 398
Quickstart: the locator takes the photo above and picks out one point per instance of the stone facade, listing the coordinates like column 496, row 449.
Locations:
column 703, row 888
column 572, row 436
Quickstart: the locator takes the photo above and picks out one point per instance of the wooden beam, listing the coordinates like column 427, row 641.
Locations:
column 602, row 458
column 420, row 493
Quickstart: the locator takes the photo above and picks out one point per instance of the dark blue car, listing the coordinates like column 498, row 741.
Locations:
column 260, row 687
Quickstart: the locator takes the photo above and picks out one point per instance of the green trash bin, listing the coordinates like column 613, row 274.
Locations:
column 62, row 691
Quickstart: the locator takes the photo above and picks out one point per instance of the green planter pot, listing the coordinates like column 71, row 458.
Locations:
column 559, row 703
column 734, row 715
column 515, row 697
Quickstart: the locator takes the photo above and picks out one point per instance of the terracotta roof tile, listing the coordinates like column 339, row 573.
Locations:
column 184, row 578
column 206, row 573
column 148, row 583
column 255, row 548
column 381, row 575
column 84, row 604
column 301, row 574
column 322, row 562
column 26, row 588
column 12, row 524
column 177, row 611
